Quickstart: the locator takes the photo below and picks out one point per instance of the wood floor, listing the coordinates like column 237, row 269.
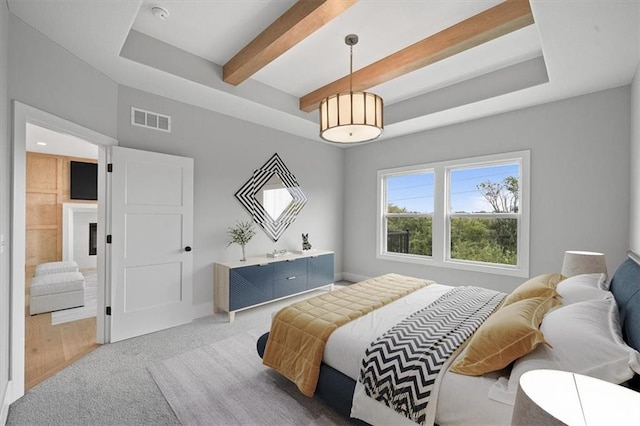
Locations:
column 50, row 348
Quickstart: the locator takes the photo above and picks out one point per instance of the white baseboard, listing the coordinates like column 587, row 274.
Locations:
column 202, row 310
column 4, row 412
column 355, row 278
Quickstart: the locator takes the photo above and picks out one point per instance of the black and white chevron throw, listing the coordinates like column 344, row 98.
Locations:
column 400, row 367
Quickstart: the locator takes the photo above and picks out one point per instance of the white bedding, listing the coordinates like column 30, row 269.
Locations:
column 347, row 344
column 462, row 400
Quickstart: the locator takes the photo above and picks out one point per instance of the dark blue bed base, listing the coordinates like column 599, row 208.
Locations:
column 336, row 389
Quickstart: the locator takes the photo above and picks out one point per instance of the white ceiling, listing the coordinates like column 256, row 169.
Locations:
column 58, row 143
column 583, row 46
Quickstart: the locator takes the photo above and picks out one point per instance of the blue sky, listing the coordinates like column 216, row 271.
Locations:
column 415, row 192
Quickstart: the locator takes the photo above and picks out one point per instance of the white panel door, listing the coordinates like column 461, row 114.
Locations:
column 151, row 237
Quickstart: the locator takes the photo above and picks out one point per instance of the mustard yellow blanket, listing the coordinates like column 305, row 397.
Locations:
column 300, row 331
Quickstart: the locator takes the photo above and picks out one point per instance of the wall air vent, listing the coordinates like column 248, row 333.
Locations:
column 150, row 120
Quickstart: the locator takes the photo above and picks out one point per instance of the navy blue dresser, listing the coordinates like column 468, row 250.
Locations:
column 242, row 285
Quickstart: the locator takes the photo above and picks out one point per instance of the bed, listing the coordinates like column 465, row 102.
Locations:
column 594, row 313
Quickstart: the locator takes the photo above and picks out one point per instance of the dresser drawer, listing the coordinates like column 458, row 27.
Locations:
column 289, row 268
column 250, row 285
column 320, row 271
column 291, row 285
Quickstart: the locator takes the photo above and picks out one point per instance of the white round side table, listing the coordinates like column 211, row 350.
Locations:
column 551, row 397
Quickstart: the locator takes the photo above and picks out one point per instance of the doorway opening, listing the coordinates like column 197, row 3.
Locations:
column 61, row 219
column 22, row 264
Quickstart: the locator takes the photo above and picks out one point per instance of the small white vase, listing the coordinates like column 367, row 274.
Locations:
column 244, row 254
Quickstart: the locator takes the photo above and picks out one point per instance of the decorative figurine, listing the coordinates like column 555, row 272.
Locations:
column 305, row 242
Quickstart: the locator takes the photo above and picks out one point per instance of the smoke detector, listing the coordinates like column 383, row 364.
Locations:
column 160, row 12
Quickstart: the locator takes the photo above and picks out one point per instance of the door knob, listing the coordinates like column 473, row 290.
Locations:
column 187, row 248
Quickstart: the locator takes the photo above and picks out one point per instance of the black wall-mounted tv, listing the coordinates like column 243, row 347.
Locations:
column 84, row 181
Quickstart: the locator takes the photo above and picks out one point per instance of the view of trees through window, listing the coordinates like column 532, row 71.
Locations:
column 410, row 213
column 484, row 240
column 483, row 213
column 409, row 234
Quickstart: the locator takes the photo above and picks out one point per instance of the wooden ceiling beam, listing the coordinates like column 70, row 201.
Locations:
column 497, row 21
column 302, row 19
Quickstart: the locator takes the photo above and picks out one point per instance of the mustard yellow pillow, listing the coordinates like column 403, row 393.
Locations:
column 540, row 286
column 508, row 334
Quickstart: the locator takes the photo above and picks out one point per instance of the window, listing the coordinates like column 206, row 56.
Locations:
column 409, row 213
column 467, row 214
column 483, row 213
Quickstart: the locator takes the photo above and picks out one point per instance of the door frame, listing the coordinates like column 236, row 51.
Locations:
column 23, row 114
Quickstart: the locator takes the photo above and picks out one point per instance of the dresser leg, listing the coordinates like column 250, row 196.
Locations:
column 232, row 316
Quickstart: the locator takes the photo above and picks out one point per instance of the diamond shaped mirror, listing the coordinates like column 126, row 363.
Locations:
column 272, row 197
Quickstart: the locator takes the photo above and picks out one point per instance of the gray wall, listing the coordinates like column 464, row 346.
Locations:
column 48, row 77
column 635, row 164
column 579, row 182
column 5, row 187
column 226, row 152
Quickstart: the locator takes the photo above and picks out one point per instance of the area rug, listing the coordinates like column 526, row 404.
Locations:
column 225, row 383
column 90, row 303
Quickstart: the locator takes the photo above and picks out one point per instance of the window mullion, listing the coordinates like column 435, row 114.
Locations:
column 439, row 228
column 381, row 234
column 408, row 214
column 486, row 215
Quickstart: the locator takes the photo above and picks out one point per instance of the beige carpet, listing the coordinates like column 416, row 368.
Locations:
column 225, row 383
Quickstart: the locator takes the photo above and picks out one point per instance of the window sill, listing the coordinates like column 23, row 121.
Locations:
column 512, row 271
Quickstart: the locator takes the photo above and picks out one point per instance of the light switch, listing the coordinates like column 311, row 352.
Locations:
column 2, row 243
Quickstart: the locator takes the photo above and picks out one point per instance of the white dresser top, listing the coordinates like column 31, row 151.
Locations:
column 261, row 260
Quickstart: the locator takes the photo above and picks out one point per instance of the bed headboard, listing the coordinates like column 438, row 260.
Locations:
column 625, row 286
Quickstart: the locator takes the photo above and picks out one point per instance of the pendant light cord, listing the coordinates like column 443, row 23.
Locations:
column 351, row 69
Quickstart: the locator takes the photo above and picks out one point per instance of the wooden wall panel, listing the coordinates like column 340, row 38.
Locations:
column 42, row 246
column 41, row 209
column 48, row 178
column 42, row 173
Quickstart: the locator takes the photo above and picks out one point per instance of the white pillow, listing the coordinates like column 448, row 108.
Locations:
column 584, row 338
column 580, row 288
column 596, row 280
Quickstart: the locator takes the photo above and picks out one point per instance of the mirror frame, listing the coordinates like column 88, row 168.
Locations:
column 274, row 228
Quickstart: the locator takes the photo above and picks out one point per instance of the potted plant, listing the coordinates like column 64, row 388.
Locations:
column 241, row 234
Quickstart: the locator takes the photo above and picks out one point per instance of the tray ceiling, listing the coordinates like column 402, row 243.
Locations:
column 573, row 47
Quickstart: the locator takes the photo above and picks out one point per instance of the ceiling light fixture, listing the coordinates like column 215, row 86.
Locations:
column 351, row 117
column 41, row 143
column 160, row 12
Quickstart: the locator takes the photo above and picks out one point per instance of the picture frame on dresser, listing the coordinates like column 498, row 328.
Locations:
column 259, row 280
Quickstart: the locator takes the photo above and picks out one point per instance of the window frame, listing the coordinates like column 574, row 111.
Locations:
column 441, row 217
column 384, row 205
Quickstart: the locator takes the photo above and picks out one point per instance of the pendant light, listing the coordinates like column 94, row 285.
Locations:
column 351, row 117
